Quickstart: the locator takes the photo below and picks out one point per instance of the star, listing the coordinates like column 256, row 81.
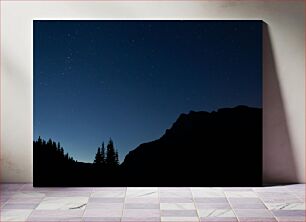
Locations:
column 68, row 59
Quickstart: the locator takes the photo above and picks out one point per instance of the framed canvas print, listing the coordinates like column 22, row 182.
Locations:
column 147, row 103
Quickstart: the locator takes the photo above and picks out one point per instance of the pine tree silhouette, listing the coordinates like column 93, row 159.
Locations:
column 116, row 158
column 103, row 154
column 62, row 151
column 111, row 157
column 39, row 141
column 100, row 156
column 98, row 159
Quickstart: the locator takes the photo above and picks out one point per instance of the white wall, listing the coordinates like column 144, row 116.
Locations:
column 284, row 79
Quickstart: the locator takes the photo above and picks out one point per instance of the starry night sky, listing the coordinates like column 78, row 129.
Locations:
column 130, row 80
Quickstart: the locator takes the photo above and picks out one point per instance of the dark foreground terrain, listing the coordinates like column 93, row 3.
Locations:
column 222, row 148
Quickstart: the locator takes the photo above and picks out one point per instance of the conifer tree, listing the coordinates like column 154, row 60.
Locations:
column 39, row 141
column 111, row 159
column 62, row 151
column 98, row 159
column 116, row 158
column 103, row 157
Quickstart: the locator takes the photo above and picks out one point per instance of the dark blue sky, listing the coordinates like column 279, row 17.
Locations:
column 130, row 80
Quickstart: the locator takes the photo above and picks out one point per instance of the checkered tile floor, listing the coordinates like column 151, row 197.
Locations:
column 22, row 202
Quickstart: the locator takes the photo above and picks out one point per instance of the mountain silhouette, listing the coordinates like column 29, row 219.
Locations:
column 219, row 148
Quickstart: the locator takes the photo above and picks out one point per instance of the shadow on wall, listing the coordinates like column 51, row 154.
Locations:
column 278, row 161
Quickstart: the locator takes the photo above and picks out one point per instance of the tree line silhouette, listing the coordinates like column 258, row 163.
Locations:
column 54, row 167
column 53, row 150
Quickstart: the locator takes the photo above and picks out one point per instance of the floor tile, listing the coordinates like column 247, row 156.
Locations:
column 240, row 194
column 55, row 219
column 141, row 213
column 244, row 200
column 175, row 193
column 213, row 205
column 291, row 219
column 236, row 205
column 14, row 214
column 218, row 219
column 103, row 212
column 141, row 193
column 253, row 219
column 216, row 213
column 62, row 203
column 68, row 193
column 289, row 213
column 279, row 189
column 105, row 200
column 20, row 206
column 25, row 194
column 179, row 219
column 299, row 194
column 141, row 206
column 210, row 200
column 179, row 213
column 174, row 189
column 25, row 200
column 237, row 189
column 142, row 200
column 285, row 206
column 91, row 205
column 155, row 189
column 109, row 189
column 101, row 219
column 140, row 219
column 176, row 200
column 207, row 192
column 3, row 200
column 177, row 206
column 10, row 186
column 255, row 213
column 57, row 213
column 277, row 197
column 108, row 194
